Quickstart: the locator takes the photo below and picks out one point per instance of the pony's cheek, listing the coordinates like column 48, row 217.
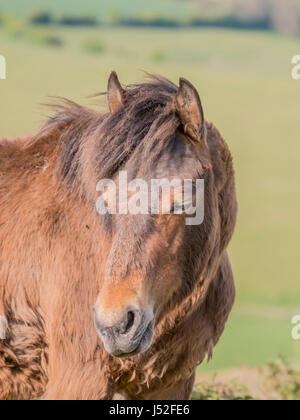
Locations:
column 168, row 283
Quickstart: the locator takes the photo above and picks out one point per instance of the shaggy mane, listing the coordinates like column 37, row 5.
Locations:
column 144, row 125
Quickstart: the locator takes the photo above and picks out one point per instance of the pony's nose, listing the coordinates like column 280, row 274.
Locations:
column 126, row 326
column 125, row 332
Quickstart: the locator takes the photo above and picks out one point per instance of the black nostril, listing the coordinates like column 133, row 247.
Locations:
column 126, row 327
column 130, row 322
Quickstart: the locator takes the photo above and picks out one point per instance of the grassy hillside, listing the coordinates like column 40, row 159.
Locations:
column 246, row 89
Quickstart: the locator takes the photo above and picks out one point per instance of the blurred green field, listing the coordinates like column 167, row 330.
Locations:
column 246, row 88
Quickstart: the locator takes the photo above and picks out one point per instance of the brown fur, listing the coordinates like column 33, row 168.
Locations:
column 56, row 253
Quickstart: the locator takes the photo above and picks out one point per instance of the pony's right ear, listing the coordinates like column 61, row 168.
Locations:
column 115, row 93
column 189, row 109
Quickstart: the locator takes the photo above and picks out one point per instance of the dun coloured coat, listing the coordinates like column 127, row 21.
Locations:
column 161, row 290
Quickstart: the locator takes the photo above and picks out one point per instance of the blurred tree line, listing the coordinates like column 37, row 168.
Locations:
column 282, row 16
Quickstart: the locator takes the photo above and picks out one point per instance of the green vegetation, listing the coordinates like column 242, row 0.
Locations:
column 41, row 17
column 278, row 380
column 45, row 37
column 284, row 380
column 93, row 46
column 247, row 91
column 158, row 55
column 103, row 9
column 282, row 16
column 14, row 26
column 214, row 391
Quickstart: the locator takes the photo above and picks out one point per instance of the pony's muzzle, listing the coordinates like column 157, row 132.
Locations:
column 127, row 336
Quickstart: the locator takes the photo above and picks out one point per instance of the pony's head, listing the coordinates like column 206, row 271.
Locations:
column 158, row 256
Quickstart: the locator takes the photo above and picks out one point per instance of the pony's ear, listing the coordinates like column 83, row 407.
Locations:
column 115, row 93
column 189, row 109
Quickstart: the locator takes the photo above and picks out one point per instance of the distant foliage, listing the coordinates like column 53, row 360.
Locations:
column 282, row 16
column 93, row 46
column 151, row 22
column 158, row 55
column 42, row 17
column 14, row 26
column 45, row 37
column 115, row 16
column 80, row 20
column 45, row 17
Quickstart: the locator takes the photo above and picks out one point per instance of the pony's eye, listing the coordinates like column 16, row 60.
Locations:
column 180, row 208
column 177, row 208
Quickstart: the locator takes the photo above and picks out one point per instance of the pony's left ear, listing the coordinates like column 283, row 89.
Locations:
column 115, row 93
column 189, row 108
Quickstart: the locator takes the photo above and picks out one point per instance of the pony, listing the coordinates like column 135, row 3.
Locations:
column 93, row 305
